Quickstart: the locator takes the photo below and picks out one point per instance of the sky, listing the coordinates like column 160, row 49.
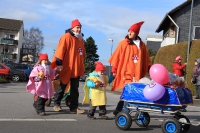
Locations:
column 100, row 19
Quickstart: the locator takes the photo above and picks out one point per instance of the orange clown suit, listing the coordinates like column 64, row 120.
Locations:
column 129, row 61
column 72, row 52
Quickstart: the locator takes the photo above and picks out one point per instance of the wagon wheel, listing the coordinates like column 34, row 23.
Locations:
column 142, row 119
column 48, row 102
column 171, row 125
column 123, row 120
column 184, row 121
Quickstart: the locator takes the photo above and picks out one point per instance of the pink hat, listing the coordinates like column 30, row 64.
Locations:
column 178, row 58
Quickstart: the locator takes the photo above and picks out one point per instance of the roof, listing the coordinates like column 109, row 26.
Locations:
column 154, row 36
column 10, row 24
column 166, row 19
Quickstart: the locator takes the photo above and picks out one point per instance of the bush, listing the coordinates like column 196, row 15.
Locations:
column 167, row 54
column 152, row 58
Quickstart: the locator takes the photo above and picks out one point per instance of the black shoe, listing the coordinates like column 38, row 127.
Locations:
column 41, row 113
column 34, row 107
column 115, row 112
column 91, row 117
column 196, row 98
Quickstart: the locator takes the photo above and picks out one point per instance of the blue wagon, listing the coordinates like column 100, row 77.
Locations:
column 173, row 100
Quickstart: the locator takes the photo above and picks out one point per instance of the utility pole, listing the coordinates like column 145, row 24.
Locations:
column 189, row 36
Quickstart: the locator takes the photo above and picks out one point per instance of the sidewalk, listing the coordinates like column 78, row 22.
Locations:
column 196, row 102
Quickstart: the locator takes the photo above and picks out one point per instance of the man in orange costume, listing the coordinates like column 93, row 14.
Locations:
column 130, row 61
column 69, row 59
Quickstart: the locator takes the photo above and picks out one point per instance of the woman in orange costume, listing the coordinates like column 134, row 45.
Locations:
column 130, row 61
column 69, row 59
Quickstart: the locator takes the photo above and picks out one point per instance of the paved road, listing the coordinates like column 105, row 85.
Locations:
column 18, row 116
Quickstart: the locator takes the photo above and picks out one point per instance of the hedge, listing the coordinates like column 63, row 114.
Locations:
column 167, row 54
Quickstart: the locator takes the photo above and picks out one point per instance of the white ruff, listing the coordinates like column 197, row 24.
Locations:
column 78, row 35
column 137, row 42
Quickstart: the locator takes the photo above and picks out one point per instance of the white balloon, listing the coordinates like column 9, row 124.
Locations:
column 145, row 80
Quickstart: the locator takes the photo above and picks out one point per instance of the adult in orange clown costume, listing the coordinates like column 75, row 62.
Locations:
column 69, row 59
column 130, row 61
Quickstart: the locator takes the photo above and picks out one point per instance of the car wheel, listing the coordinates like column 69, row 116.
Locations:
column 15, row 78
column 25, row 78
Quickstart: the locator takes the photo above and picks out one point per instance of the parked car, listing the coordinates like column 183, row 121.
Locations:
column 4, row 71
column 83, row 78
column 24, row 67
column 16, row 75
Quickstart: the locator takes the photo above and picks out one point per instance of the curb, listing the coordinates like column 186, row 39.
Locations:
column 5, row 82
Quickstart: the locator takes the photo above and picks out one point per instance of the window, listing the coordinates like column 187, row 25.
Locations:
column 9, row 36
column 2, row 67
column 25, row 66
column 196, row 32
column 18, row 66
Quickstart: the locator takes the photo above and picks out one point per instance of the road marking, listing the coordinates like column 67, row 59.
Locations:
column 192, row 123
column 38, row 120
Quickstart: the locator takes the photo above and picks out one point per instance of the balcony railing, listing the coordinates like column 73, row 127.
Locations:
column 9, row 56
column 8, row 41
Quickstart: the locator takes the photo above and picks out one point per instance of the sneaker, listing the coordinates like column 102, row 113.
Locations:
column 77, row 111
column 41, row 113
column 103, row 117
column 57, row 108
column 91, row 117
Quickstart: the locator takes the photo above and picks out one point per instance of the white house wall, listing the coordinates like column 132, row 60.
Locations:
column 20, row 39
column 168, row 41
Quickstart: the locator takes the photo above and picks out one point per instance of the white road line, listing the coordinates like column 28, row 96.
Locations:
column 38, row 120
column 192, row 123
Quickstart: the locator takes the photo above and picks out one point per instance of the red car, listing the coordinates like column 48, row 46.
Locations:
column 4, row 71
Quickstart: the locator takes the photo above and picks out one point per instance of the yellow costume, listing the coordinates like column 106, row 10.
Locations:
column 98, row 94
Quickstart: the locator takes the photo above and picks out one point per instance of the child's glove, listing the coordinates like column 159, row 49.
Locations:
column 97, row 84
column 41, row 75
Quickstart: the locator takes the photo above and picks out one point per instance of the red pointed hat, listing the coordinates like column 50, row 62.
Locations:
column 99, row 66
column 75, row 23
column 43, row 57
column 136, row 27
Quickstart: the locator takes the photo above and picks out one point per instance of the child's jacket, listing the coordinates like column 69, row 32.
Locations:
column 97, row 96
column 43, row 88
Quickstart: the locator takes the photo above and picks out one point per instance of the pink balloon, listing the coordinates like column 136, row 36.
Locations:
column 159, row 74
column 154, row 91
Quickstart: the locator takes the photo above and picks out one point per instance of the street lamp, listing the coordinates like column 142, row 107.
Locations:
column 110, row 54
column 111, row 45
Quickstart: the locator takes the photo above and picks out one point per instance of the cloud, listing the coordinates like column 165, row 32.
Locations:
column 19, row 14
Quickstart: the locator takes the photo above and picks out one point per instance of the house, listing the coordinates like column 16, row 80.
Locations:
column 153, row 42
column 11, row 36
column 175, row 24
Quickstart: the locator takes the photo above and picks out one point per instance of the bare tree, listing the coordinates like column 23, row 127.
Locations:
column 33, row 41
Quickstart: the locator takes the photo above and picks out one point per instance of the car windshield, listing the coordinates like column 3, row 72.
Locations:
column 10, row 67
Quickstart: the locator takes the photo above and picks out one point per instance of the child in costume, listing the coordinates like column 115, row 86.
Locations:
column 95, row 92
column 40, row 84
